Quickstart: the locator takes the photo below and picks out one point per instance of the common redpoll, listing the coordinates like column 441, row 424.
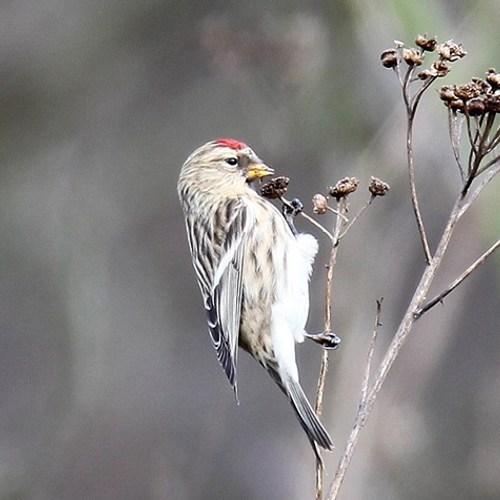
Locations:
column 252, row 269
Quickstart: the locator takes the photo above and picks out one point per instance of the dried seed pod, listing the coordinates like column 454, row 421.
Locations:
column 442, row 68
column 413, row 57
column 345, row 186
column 493, row 78
column 427, row 44
column 378, row 187
column 389, row 58
column 467, row 91
column 484, row 87
column 427, row 73
column 450, row 51
column 275, row 188
column 447, row 93
column 493, row 103
column 320, row 204
column 456, row 104
column 476, row 106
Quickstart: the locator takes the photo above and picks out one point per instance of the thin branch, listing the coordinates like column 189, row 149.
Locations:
column 336, row 212
column 420, row 92
column 473, row 138
column 492, row 162
column 339, row 222
column 439, row 298
column 406, row 89
column 366, row 378
column 318, row 225
column 361, row 416
column 413, row 189
column 455, row 133
column 466, row 205
column 495, row 140
column 356, row 217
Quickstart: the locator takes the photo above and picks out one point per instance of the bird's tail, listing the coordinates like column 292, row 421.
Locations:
column 317, row 434
column 314, row 429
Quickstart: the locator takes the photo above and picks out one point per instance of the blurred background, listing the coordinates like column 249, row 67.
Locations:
column 109, row 386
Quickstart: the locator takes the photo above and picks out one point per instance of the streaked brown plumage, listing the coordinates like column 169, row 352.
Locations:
column 253, row 272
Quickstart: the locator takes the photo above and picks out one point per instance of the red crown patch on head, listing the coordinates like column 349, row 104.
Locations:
column 231, row 143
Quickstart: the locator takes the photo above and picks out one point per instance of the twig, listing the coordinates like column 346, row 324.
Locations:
column 366, row 378
column 454, row 127
column 340, row 221
column 336, row 212
column 356, row 217
column 318, row 225
column 470, row 199
column 439, row 298
column 413, row 188
column 361, row 415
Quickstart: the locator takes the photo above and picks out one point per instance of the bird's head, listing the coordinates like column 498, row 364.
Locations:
column 225, row 162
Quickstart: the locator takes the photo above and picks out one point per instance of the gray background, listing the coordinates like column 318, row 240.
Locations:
column 109, row 386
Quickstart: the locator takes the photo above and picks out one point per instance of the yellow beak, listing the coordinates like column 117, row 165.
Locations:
column 257, row 171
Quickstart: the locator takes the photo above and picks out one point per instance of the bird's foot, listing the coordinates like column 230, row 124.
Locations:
column 326, row 340
column 290, row 210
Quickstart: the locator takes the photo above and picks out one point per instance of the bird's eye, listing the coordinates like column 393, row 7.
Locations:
column 232, row 161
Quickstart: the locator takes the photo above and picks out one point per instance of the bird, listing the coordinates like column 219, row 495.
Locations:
column 253, row 270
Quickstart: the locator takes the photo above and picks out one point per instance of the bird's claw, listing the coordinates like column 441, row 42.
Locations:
column 328, row 341
column 292, row 208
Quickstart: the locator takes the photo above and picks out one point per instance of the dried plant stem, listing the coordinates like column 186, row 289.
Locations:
column 318, row 225
column 411, row 104
column 439, row 298
column 390, row 356
column 366, row 378
column 339, row 223
column 356, row 217
column 413, row 188
column 414, row 311
column 472, row 196
column 454, row 129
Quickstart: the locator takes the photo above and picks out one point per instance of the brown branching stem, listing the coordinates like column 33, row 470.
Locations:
column 480, row 147
column 366, row 378
column 414, row 311
column 356, row 217
column 440, row 297
column 483, row 140
column 411, row 109
column 390, row 356
column 319, row 226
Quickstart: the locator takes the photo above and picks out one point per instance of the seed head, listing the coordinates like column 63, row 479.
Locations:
column 447, row 93
column 456, row 104
column 442, row 68
column 275, row 188
column 428, row 44
column 413, row 57
column 476, row 106
column 320, row 204
column 493, row 78
column 378, row 187
column 389, row 58
column 450, row 51
column 467, row 91
column 345, row 186
column 493, row 103
column 427, row 73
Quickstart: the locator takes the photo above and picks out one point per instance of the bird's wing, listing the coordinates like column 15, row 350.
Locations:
column 219, row 269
